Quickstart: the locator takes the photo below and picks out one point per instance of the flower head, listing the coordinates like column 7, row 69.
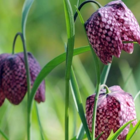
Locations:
column 13, row 85
column 108, row 27
column 113, row 111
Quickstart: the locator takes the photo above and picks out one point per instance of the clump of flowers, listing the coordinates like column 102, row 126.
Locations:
column 114, row 109
column 13, row 79
column 108, row 27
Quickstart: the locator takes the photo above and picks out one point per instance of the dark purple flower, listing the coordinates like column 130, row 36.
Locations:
column 108, row 27
column 113, row 110
column 13, row 85
column 2, row 96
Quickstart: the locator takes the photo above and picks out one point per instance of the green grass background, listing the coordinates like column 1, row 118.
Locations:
column 45, row 38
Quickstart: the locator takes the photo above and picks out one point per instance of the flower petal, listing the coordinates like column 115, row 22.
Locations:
column 2, row 96
column 14, row 84
column 34, row 71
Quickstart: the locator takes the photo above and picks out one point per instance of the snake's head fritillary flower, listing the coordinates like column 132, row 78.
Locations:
column 13, row 77
column 2, row 96
column 108, row 27
column 113, row 111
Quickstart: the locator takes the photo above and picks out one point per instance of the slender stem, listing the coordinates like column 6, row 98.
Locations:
column 67, row 111
column 96, row 60
column 105, row 73
column 28, row 79
column 97, row 69
column 82, row 4
column 78, row 102
column 106, row 87
column 40, row 126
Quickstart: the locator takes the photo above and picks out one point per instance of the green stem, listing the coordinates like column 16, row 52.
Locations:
column 82, row 4
column 40, row 126
column 97, row 67
column 67, row 111
column 78, row 102
column 106, row 87
column 105, row 73
column 69, row 55
column 28, row 80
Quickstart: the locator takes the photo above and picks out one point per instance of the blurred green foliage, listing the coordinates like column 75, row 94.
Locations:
column 45, row 38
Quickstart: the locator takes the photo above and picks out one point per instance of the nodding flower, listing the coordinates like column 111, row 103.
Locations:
column 114, row 109
column 109, row 27
column 13, row 79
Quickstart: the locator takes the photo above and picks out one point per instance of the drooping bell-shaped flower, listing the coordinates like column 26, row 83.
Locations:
column 108, row 27
column 2, row 96
column 113, row 111
column 13, row 77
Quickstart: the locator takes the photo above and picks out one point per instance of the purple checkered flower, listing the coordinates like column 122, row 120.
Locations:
column 113, row 111
column 108, row 27
column 13, row 80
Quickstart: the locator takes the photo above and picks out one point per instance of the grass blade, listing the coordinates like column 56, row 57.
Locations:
column 78, row 102
column 69, row 55
column 99, row 136
column 118, row 132
column 48, row 68
column 132, row 132
column 25, row 11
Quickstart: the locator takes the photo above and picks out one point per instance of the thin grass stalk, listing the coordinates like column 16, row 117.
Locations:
column 97, row 69
column 28, row 79
column 78, row 102
column 69, row 55
column 39, row 122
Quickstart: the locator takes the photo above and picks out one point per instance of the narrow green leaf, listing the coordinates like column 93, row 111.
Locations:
column 25, row 11
column 111, row 134
column 131, row 127
column 80, row 134
column 80, row 16
column 69, row 19
column 132, row 131
column 69, row 55
column 48, row 68
column 4, row 135
column 99, row 136
column 118, row 132
column 51, row 65
column 78, row 102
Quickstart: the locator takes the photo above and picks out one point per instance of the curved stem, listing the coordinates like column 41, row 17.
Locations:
column 106, row 87
column 28, row 78
column 82, row 4
column 97, row 69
